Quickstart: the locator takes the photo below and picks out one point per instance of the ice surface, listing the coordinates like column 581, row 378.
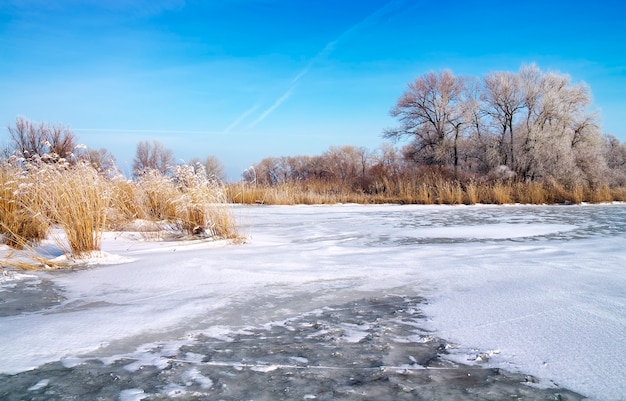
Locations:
column 538, row 290
column 309, row 354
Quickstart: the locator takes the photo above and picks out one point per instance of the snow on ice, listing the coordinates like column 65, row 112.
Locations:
column 539, row 290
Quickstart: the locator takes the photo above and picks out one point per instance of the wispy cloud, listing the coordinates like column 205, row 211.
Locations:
column 273, row 107
column 388, row 8
column 241, row 117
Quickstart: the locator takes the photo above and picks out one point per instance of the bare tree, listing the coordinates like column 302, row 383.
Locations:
column 615, row 156
column 431, row 113
column 41, row 140
column 61, row 141
column 101, row 159
column 559, row 137
column 347, row 162
column 502, row 101
column 214, row 168
column 153, row 156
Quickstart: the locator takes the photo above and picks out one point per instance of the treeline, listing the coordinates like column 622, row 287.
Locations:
column 529, row 131
column 33, row 142
column 528, row 136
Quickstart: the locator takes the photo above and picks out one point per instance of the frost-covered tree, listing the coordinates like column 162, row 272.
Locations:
column 214, row 168
column 502, row 101
column 615, row 156
column 559, row 137
column 101, row 159
column 346, row 162
column 43, row 141
column 534, row 125
column 431, row 112
column 152, row 156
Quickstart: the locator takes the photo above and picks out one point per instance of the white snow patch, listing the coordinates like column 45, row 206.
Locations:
column 194, row 375
column 298, row 359
column 93, row 258
column 264, row 368
column 353, row 333
column 194, row 357
column 39, row 385
column 132, row 394
column 72, row 361
column 8, row 276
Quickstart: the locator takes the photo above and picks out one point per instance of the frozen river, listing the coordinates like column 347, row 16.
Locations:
column 334, row 302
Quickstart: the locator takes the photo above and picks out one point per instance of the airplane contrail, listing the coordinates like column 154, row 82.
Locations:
column 241, row 117
column 330, row 46
column 273, row 107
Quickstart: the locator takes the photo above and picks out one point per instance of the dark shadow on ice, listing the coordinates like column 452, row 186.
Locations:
column 371, row 349
column 32, row 295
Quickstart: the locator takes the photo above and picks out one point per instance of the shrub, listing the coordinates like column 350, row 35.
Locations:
column 187, row 201
column 199, row 207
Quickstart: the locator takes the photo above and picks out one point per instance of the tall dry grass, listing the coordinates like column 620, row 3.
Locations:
column 76, row 199
column 472, row 192
column 82, row 203
column 200, row 208
column 315, row 192
column 427, row 191
column 21, row 224
column 187, row 202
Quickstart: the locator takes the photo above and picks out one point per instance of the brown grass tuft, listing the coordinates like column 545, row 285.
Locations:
column 76, row 199
column 34, row 197
column 20, row 224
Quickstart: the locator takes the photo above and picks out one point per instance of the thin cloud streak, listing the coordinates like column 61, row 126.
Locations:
column 327, row 50
column 273, row 107
column 241, row 117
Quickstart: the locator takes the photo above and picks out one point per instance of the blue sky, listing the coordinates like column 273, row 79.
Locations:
column 247, row 79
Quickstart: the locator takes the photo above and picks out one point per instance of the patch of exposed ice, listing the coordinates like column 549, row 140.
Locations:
column 71, row 361
column 298, row 359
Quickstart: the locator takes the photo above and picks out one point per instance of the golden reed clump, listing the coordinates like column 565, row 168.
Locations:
column 40, row 200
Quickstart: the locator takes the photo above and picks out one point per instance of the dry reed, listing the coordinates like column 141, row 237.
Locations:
column 426, row 191
column 77, row 199
column 20, row 224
